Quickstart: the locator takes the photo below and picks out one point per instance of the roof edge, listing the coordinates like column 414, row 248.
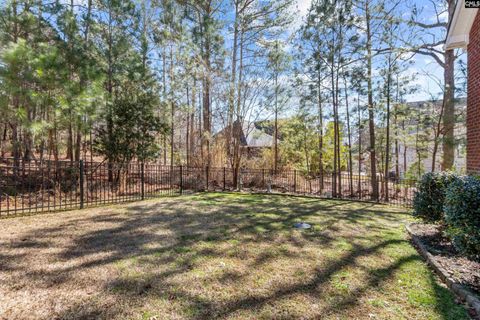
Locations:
column 460, row 26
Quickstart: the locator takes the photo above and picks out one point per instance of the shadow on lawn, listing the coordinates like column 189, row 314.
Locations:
column 214, row 219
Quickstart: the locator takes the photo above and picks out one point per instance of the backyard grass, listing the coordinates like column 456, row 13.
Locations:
column 226, row 256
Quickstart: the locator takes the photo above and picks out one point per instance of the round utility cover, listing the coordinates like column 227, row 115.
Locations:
column 302, row 225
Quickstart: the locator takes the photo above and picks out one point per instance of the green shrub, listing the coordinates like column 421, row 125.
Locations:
column 415, row 171
column 429, row 198
column 462, row 215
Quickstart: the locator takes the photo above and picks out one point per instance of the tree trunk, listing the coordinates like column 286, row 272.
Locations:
column 238, row 130
column 417, row 150
column 206, row 119
column 165, row 149
column 70, row 145
column 449, row 102
column 434, row 155
column 4, row 141
column 206, row 18
column 231, row 96
column 172, row 110
column 305, row 149
column 359, row 147
column 55, row 139
column 387, row 143
column 187, row 137
column 371, row 114
column 350, row 159
column 14, row 125
column 395, row 124
column 83, row 81
column 334, row 178
column 337, row 132
column 192, row 122
column 110, row 98
column 15, row 145
column 275, row 142
column 78, row 141
column 91, row 145
column 449, row 112
column 164, row 82
column 70, row 139
column 320, row 131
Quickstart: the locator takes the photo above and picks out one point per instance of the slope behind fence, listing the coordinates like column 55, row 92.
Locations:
column 32, row 187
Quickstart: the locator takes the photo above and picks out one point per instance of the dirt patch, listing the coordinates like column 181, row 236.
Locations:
column 460, row 269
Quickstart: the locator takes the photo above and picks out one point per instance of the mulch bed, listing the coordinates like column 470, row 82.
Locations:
column 461, row 269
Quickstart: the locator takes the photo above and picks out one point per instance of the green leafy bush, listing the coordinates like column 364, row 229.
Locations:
column 429, row 198
column 462, row 215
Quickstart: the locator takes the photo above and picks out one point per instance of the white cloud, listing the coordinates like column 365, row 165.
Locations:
column 301, row 7
column 424, row 82
column 444, row 16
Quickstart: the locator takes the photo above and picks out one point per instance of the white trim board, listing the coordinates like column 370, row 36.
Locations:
column 460, row 26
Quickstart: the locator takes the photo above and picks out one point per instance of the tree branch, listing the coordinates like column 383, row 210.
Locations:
column 431, row 54
column 429, row 26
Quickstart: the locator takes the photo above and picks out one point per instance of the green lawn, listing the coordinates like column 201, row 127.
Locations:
column 226, row 256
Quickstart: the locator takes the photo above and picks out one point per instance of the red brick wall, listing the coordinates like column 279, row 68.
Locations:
column 473, row 102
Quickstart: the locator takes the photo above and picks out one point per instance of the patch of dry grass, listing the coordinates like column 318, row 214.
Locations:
column 225, row 256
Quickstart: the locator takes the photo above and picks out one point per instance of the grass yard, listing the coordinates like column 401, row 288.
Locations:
column 226, row 256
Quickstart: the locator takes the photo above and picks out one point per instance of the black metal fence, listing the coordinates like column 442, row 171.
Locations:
column 30, row 187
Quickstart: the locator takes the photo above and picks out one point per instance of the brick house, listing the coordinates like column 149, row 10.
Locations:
column 464, row 32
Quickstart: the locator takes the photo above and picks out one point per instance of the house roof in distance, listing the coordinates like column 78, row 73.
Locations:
column 257, row 138
column 252, row 134
column 460, row 26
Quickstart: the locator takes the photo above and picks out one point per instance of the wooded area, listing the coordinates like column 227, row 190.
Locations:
column 185, row 82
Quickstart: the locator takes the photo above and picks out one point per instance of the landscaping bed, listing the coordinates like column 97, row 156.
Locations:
column 459, row 268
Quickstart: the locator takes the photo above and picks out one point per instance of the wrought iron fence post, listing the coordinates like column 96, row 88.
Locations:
column 81, row 184
column 207, row 176
column 240, row 182
column 263, row 178
column 224, row 173
column 333, row 186
column 270, row 182
column 385, row 188
column 378, row 190
column 142, row 180
column 181, row 179
column 294, row 181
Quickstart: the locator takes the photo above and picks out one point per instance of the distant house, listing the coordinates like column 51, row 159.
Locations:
column 253, row 137
column 464, row 32
column 408, row 153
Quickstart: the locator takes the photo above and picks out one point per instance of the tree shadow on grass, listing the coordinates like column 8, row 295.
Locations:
column 129, row 235
column 167, row 233
column 313, row 286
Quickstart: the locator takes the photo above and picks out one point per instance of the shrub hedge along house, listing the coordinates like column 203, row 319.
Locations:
column 464, row 32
